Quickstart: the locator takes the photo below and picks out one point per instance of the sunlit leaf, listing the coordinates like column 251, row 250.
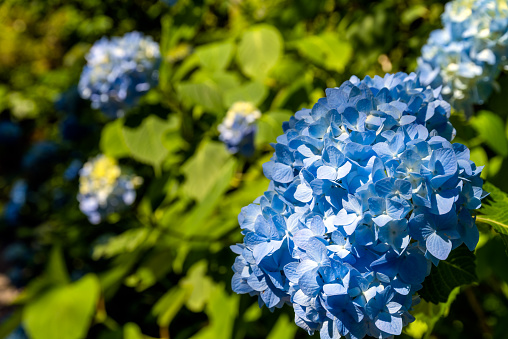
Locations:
column 283, row 329
column 215, row 56
column 254, row 92
column 491, row 129
column 494, row 210
column 206, row 94
column 326, row 50
column 63, row 312
column 169, row 305
column 132, row 331
column 203, row 169
column 259, row 50
column 428, row 314
column 198, row 286
column 112, row 140
column 270, row 126
column 221, row 310
column 145, row 142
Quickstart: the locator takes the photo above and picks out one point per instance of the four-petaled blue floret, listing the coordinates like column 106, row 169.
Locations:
column 238, row 128
column 105, row 188
column 366, row 193
column 467, row 55
column 119, row 72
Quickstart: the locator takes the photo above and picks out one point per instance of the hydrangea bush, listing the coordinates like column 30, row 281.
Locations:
column 119, row 71
column 105, row 188
column 238, row 128
column 467, row 55
column 366, row 193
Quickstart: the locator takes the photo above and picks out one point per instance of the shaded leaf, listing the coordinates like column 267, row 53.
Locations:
column 459, row 269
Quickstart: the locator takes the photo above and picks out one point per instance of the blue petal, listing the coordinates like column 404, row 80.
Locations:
column 438, row 246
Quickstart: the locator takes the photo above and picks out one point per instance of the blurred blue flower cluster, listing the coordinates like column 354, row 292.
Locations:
column 366, row 193
column 17, row 199
column 119, row 72
column 238, row 128
column 105, row 188
column 467, row 55
column 10, row 133
column 170, row 2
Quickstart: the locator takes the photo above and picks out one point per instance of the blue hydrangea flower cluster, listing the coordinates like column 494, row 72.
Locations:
column 366, row 193
column 10, row 133
column 119, row 72
column 105, row 188
column 17, row 199
column 467, row 55
column 238, row 128
column 170, row 3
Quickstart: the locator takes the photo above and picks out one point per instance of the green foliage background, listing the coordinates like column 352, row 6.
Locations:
column 162, row 269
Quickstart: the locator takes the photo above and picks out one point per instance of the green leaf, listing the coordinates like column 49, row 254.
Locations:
column 56, row 270
column 132, row 331
column 253, row 313
column 215, row 56
column 64, row 312
column 459, row 269
column 259, row 50
column 326, row 50
column 270, row 126
column 494, row 211
column 206, row 94
column 283, row 329
column 145, row 142
column 491, row 129
column 169, row 305
column 195, row 222
column 221, row 310
column 504, row 238
column 254, row 92
column 126, row 242
column 204, row 168
column 198, row 286
column 112, row 141
column 10, row 323
column 427, row 315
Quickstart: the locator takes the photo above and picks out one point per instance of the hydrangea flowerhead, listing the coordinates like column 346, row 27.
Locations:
column 366, row 192
column 119, row 71
column 10, row 133
column 105, row 188
column 467, row 55
column 17, row 199
column 238, row 128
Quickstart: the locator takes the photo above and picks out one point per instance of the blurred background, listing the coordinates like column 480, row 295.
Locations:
column 161, row 268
